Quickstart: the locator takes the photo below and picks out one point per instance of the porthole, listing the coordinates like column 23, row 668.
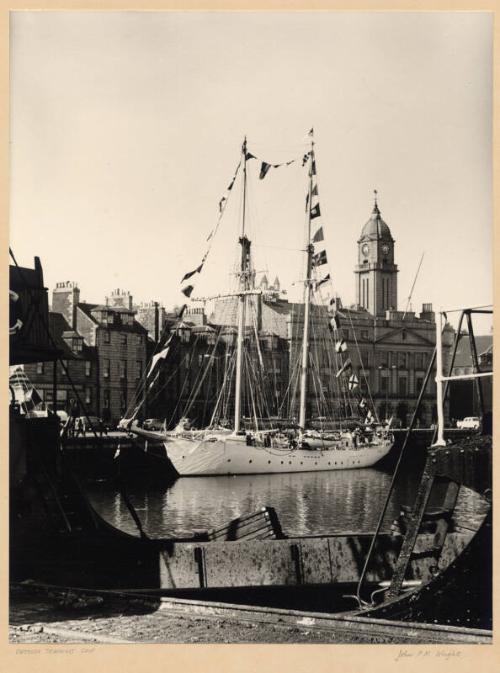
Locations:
column 269, row 462
column 301, row 463
column 229, row 460
column 282, row 462
column 289, row 462
column 249, row 461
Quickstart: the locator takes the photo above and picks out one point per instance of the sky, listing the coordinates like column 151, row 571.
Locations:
column 126, row 129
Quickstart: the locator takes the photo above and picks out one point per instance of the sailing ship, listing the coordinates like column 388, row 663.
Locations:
column 260, row 442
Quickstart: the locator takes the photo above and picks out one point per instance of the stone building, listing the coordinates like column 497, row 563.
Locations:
column 80, row 362
column 192, row 375
column 152, row 316
column 118, row 340
column 390, row 349
column 121, row 344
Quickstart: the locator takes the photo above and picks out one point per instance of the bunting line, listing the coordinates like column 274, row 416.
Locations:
column 264, row 169
column 160, row 356
column 186, row 291
column 347, row 366
column 340, row 346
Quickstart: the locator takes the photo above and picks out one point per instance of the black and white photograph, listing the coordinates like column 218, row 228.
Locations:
column 251, row 328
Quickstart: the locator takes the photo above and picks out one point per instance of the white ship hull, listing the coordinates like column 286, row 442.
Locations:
column 229, row 454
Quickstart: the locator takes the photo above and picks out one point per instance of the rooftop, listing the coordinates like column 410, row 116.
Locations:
column 376, row 228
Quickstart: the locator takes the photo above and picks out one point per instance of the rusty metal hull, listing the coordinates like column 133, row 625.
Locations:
column 460, row 594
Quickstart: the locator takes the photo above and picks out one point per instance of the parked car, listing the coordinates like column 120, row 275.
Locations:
column 153, row 424
column 87, row 423
column 469, row 423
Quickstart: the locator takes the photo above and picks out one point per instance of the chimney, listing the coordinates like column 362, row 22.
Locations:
column 120, row 299
column 65, row 297
column 427, row 313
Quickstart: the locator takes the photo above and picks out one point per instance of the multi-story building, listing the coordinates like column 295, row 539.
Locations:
column 118, row 340
column 201, row 358
column 390, row 350
column 70, row 382
column 151, row 315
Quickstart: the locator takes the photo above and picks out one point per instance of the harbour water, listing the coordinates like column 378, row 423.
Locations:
column 310, row 503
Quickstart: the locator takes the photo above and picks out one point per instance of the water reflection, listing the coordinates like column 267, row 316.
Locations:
column 307, row 503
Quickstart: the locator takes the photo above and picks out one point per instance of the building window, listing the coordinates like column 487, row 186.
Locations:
column 402, row 360
column 419, row 382
column 364, row 335
column 88, row 368
column 402, row 386
column 39, row 367
column 105, row 369
column 88, row 396
column 124, row 339
column 138, row 369
column 384, row 384
column 123, row 369
column 62, row 395
column 418, row 361
column 107, row 337
column 105, row 399
column 139, row 340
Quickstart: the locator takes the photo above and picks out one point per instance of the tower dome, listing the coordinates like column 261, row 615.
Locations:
column 376, row 227
column 376, row 272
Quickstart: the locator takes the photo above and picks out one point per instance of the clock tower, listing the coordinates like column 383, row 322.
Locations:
column 376, row 273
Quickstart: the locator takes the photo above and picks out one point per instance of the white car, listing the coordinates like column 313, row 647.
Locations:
column 469, row 423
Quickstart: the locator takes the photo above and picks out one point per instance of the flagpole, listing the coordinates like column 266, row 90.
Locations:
column 245, row 253
column 307, row 303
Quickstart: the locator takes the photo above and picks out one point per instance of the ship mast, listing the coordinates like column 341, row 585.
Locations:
column 244, row 268
column 307, row 305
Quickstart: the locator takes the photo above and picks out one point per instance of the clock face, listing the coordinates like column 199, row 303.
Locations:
column 385, row 249
column 365, row 249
